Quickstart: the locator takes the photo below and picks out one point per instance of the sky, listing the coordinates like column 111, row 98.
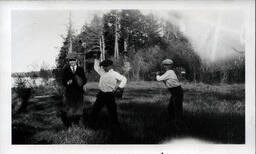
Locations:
column 36, row 34
column 214, row 34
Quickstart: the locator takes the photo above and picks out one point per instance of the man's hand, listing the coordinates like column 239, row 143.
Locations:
column 69, row 82
column 160, row 73
column 84, row 88
column 119, row 92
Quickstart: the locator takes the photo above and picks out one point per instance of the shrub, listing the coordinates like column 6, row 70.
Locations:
column 23, row 92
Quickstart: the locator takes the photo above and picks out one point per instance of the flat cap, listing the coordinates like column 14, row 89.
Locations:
column 106, row 63
column 167, row 62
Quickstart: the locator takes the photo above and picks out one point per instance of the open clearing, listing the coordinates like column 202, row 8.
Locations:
column 212, row 113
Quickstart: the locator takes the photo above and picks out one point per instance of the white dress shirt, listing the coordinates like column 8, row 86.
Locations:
column 170, row 79
column 108, row 80
column 73, row 68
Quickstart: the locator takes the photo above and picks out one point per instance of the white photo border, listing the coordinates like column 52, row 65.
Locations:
column 6, row 9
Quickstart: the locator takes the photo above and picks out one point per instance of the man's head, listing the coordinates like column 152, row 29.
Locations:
column 72, row 59
column 167, row 64
column 107, row 65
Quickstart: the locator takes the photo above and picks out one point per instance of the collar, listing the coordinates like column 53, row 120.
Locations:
column 74, row 66
column 111, row 70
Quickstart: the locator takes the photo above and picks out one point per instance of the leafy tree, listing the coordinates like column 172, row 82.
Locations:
column 180, row 49
column 135, row 30
column 142, row 42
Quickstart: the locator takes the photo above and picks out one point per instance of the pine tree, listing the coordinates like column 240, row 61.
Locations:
column 67, row 46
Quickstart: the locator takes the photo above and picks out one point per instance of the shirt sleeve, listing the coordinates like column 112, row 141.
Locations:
column 122, row 79
column 97, row 67
column 163, row 77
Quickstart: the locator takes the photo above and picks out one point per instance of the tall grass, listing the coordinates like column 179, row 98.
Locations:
column 213, row 113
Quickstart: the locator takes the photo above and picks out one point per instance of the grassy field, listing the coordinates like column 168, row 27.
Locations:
column 212, row 113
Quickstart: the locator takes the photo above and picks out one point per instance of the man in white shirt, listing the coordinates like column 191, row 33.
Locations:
column 171, row 81
column 108, row 86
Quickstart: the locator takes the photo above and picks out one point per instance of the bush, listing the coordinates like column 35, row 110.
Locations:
column 45, row 74
column 23, row 92
column 59, row 90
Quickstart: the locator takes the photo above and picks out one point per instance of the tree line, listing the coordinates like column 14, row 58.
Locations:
column 43, row 73
column 137, row 43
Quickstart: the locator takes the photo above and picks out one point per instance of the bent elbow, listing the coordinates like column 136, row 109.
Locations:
column 125, row 80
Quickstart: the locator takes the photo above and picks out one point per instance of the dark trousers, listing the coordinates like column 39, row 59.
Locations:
column 72, row 108
column 69, row 120
column 175, row 107
column 108, row 99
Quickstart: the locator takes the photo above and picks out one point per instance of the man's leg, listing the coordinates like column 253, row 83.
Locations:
column 176, row 106
column 180, row 103
column 65, row 119
column 177, row 101
column 171, row 108
column 116, row 131
column 112, row 109
column 97, row 106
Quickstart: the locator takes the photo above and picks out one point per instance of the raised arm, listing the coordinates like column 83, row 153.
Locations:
column 97, row 67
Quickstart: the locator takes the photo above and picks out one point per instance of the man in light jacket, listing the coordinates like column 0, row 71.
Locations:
column 171, row 81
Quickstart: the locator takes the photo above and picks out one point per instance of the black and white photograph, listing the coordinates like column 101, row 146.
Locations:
column 131, row 76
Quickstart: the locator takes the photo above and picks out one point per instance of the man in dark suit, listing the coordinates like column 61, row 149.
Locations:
column 74, row 80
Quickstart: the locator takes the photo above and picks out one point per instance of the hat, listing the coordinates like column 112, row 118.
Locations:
column 71, row 56
column 106, row 63
column 167, row 62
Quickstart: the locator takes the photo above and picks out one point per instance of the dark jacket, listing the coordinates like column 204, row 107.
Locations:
column 72, row 107
column 73, row 89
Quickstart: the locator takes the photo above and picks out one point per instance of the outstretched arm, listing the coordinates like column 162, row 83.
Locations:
column 162, row 77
